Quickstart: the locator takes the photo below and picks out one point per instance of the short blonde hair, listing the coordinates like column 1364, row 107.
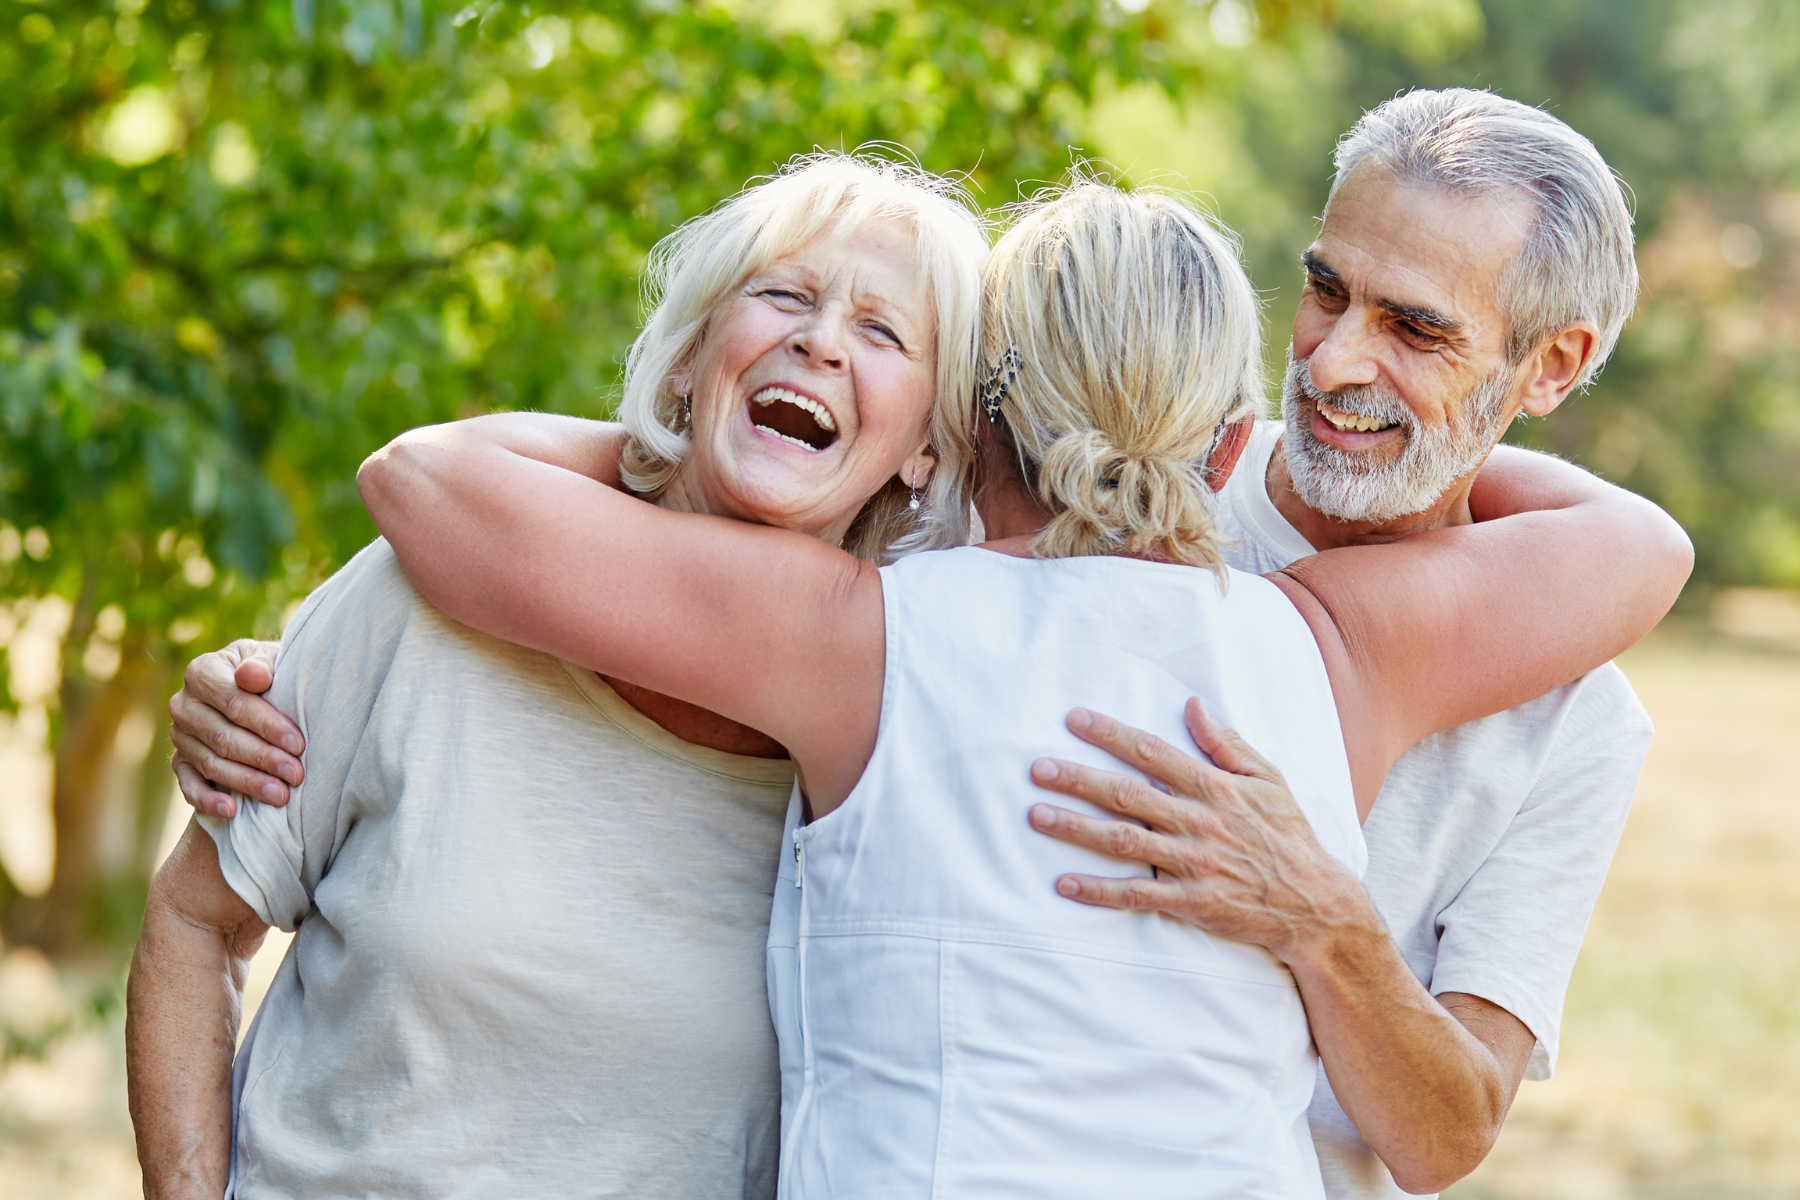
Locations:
column 702, row 264
column 1137, row 339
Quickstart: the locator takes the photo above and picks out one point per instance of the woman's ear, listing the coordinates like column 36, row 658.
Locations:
column 916, row 471
column 1224, row 458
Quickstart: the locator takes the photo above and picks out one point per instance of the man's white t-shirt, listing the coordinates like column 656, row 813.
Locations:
column 1488, row 843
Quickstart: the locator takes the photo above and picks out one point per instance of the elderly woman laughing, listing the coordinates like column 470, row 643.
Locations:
column 530, row 903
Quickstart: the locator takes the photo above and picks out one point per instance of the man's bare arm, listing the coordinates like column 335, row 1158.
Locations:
column 1428, row 1084
column 183, row 1006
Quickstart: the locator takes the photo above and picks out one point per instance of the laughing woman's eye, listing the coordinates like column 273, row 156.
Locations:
column 785, row 296
column 883, row 333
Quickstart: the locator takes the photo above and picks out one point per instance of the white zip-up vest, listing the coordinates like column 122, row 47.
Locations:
column 949, row 1025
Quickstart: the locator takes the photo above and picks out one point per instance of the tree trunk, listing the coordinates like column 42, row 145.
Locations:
column 91, row 713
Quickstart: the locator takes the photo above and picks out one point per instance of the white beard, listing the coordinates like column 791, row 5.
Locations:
column 1351, row 487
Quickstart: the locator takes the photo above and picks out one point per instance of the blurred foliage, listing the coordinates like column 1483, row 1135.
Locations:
column 242, row 243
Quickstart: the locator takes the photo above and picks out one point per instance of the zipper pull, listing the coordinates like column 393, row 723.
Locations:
column 799, row 859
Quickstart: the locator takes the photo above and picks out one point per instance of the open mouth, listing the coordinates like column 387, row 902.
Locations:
column 1349, row 422
column 793, row 418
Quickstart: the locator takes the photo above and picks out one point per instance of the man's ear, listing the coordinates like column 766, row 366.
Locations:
column 1550, row 373
column 1224, row 458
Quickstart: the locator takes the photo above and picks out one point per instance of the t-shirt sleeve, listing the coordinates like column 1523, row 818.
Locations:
column 1512, row 934
column 334, row 659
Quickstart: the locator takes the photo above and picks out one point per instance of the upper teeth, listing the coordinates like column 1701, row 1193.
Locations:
column 1344, row 420
column 820, row 413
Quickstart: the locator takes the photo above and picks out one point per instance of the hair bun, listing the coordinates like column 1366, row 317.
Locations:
column 1117, row 502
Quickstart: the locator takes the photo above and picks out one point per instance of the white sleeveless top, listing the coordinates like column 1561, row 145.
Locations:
column 949, row 1025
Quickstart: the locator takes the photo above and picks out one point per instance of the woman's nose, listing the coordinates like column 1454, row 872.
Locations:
column 823, row 342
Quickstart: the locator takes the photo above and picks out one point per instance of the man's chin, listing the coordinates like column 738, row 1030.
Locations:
column 1354, row 486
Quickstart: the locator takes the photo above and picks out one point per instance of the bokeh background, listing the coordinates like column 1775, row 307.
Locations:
column 242, row 243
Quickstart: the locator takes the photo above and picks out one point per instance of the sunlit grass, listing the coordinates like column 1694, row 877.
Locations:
column 1680, row 1072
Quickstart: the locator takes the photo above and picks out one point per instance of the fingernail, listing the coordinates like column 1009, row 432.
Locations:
column 291, row 743
column 227, row 809
column 274, row 793
column 289, row 772
column 1080, row 718
column 1040, row 815
column 1068, row 887
column 1044, row 770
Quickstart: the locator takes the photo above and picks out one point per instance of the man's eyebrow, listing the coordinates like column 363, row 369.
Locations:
column 1429, row 318
column 1314, row 265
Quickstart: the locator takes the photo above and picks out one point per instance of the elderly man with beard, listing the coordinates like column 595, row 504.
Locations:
column 1474, row 264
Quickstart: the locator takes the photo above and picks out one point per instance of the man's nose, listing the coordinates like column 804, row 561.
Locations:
column 1346, row 356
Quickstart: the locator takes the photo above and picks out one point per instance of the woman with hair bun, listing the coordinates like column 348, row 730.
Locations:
column 948, row 1024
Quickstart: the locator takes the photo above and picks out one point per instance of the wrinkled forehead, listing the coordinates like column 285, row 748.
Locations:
column 1424, row 244
column 878, row 259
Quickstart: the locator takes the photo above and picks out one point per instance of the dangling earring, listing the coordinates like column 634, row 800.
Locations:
column 913, row 506
column 687, row 411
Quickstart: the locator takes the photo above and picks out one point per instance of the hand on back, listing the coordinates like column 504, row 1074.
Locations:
column 227, row 738
column 1233, row 852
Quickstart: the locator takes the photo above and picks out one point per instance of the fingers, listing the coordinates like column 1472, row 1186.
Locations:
column 1145, row 751
column 1227, row 750
column 204, row 723
column 203, row 797
column 214, row 680
column 1136, row 892
column 227, row 774
column 1116, row 839
column 1132, row 798
column 256, row 667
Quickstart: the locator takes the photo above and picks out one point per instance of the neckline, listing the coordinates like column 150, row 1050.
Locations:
column 1248, row 489
column 653, row 737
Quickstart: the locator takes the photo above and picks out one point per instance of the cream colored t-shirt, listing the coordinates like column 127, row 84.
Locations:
column 529, row 958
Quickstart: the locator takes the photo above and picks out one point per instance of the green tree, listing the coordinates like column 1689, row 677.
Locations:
column 243, row 243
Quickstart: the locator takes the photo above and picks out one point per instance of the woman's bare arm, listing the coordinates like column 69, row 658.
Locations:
column 1562, row 572
column 764, row 626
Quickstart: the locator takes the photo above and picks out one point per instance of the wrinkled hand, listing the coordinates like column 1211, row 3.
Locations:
column 1233, row 852
column 227, row 737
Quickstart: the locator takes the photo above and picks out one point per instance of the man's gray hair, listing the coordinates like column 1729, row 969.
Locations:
column 1576, row 262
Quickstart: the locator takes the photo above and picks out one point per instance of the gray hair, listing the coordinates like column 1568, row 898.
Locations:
column 1576, row 263
column 815, row 196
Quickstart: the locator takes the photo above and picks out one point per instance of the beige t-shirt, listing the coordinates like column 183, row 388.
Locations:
column 529, row 958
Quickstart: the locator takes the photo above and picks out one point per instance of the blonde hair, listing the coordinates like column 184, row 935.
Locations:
column 817, row 196
column 1137, row 339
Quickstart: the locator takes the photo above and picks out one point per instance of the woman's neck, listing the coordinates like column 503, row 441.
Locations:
column 1011, row 514
column 688, row 494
